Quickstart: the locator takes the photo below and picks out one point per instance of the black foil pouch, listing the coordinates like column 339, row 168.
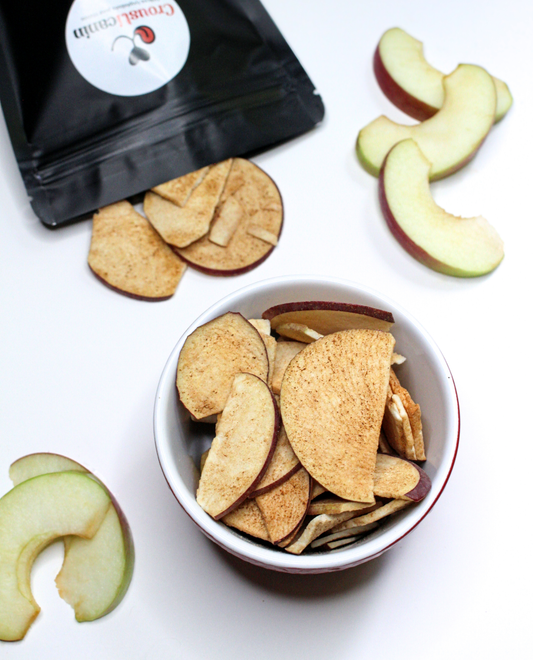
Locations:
column 106, row 98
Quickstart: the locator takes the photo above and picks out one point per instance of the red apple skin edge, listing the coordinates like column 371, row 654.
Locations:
column 312, row 305
column 244, row 496
column 422, row 488
column 127, row 293
column 224, row 273
column 301, row 521
column 275, row 484
column 397, row 95
column 403, row 239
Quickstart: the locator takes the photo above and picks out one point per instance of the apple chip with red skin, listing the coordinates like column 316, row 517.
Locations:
column 332, row 400
column 396, row 478
column 210, row 358
column 246, row 438
column 247, row 518
column 129, row 256
column 258, row 199
column 326, row 317
column 284, row 507
column 282, row 466
column 180, row 226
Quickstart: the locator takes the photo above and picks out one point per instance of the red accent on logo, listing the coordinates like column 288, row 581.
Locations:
column 145, row 33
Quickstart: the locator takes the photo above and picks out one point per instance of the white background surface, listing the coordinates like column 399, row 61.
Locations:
column 80, row 366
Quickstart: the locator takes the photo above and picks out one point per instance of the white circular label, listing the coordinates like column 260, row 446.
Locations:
column 127, row 47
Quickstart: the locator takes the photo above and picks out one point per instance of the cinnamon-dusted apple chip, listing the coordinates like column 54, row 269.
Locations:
column 397, row 427
column 129, row 256
column 283, row 464
column 226, row 221
column 179, row 190
column 284, row 507
column 246, row 438
column 211, row 356
column 182, row 225
column 332, row 401
column 259, row 198
column 338, row 505
column 326, row 317
column 285, row 351
column 262, row 325
column 396, row 478
column 413, row 412
column 314, row 529
column 248, row 519
column 378, row 514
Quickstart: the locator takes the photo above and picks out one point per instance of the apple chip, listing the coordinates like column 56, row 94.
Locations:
column 129, row 256
column 397, row 359
column 285, row 351
column 316, row 527
column 395, row 478
column 397, row 427
column 347, row 536
column 378, row 514
column 284, row 507
column 263, row 325
column 317, row 490
column 327, row 317
column 179, row 190
column 384, row 446
column 260, row 200
column 413, row 413
column 181, row 226
column 263, row 234
column 226, row 221
column 332, row 400
column 210, row 358
column 298, row 332
column 247, row 518
column 338, row 505
column 246, row 437
column 283, row 464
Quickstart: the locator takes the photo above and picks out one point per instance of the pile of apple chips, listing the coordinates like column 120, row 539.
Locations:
column 314, row 437
column 224, row 219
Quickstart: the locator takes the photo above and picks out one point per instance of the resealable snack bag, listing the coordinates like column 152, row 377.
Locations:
column 105, row 99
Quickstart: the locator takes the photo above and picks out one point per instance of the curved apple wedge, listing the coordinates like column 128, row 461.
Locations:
column 463, row 247
column 450, row 138
column 32, row 515
column 412, row 84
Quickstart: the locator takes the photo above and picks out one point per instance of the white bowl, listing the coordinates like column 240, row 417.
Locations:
column 180, row 442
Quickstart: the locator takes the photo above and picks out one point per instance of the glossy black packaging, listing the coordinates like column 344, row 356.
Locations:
column 241, row 89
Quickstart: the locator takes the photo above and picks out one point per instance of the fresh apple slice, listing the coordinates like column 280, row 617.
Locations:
column 32, row 515
column 398, row 479
column 298, row 332
column 326, row 317
column 247, row 518
column 179, row 190
column 181, row 226
column 332, row 400
column 450, row 138
column 129, row 256
column 285, row 351
column 411, row 83
column 245, row 441
column 261, row 203
column 96, row 572
column 284, row 507
column 210, row 358
column 283, row 464
column 463, row 247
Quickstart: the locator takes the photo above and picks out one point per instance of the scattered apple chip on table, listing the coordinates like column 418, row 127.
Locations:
column 179, row 190
column 411, row 83
column 129, row 256
column 246, row 438
column 211, row 356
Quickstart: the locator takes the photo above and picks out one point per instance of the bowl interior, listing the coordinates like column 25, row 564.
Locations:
column 180, row 441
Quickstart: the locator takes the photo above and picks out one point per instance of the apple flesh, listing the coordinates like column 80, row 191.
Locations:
column 32, row 515
column 450, row 138
column 463, row 247
column 96, row 572
column 412, row 84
